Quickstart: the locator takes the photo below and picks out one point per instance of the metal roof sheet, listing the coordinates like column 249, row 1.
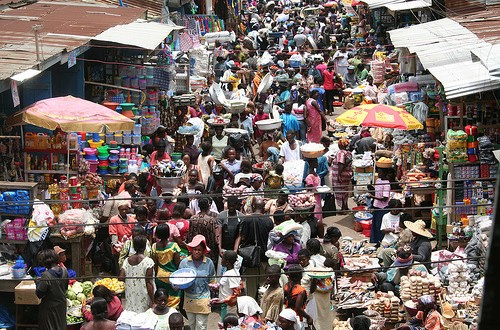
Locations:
column 490, row 58
column 407, row 5
column 147, row 35
column 464, row 78
column 397, row 5
column 483, row 23
column 153, row 7
column 438, row 42
column 65, row 26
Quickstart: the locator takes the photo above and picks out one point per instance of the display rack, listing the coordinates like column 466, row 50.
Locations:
column 470, row 180
column 32, row 187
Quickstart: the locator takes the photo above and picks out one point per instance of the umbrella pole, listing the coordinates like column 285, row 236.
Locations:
column 374, row 163
column 67, row 157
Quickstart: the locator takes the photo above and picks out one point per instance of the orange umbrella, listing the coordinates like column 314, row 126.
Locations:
column 379, row 115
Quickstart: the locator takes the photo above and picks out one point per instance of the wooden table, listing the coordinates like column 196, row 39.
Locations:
column 75, row 247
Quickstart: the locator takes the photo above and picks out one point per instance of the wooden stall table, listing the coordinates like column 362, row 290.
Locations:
column 75, row 247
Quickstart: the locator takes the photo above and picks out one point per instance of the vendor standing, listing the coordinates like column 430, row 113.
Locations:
column 120, row 228
column 219, row 142
column 381, row 201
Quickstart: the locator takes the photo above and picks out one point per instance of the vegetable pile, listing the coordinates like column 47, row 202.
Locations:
column 301, row 200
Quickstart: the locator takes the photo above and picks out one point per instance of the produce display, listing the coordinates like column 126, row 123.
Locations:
column 352, row 295
column 349, row 248
column 92, row 181
column 112, row 283
column 419, row 283
column 387, row 305
column 218, row 121
column 234, row 191
column 301, row 200
column 71, row 320
column 363, row 262
column 458, row 280
column 72, row 222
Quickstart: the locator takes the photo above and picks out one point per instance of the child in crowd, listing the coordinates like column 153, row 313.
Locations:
column 314, row 247
column 61, row 255
column 230, row 284
column 273, row 298
column 295, row 294
column 128, row 247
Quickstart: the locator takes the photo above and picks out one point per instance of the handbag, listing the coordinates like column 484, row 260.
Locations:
column 251, row 253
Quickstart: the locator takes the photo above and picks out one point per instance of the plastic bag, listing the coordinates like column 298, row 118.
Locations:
column 73, row 222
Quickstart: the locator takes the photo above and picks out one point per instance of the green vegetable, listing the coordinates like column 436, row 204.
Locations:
column 70, row 294
column 70, row 319
column 81, row 297
column 77, row 287
column 87, row 287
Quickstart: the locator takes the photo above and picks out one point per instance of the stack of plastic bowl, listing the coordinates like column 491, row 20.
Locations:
column 123, row 165
column 103, row 155
column 113, row 160
column 91, row 158
column 96, row 141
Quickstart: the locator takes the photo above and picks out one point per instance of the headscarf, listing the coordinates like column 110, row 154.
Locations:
column 290, row 315
column 256, row 177
column 113, row 184
column 248, row 306
column 273, row 155
column 343, row 143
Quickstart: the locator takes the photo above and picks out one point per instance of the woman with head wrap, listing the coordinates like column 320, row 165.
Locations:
column 288, row 320
column 428, row 314
column 249, row 309
column 342, row 173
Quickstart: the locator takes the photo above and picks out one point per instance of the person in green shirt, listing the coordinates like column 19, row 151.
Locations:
column 361, row 72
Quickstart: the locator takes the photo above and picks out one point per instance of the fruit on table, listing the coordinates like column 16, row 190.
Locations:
column 70, row 319
column 111, row 283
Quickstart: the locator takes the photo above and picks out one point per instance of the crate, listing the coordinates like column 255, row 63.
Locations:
column 25, row 293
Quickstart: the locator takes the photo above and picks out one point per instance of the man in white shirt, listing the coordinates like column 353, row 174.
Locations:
column 290, row 150
column 390, row 223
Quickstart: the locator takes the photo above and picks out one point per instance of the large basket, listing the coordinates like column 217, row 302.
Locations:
column 313, row 154
column 168, row 182
column 383, row 165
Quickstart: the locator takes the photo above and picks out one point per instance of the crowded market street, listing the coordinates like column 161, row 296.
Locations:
column 246, row 164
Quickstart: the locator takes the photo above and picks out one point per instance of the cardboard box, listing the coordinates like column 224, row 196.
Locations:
column 25, row 293
column 449, row 229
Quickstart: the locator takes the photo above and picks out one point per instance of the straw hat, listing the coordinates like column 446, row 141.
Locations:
column 418, row 227
column 448, row 310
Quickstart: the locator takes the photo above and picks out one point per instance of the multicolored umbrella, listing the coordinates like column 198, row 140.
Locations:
column 379, row 115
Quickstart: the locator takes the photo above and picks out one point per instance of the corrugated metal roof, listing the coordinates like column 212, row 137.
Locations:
column 147, row 35
column 490, row 58
column 438, row 42
column 484, row 23
column 444, row 47
column 65, row 26
column 397, row 4
column 153, row 7
column 464, row 78
column 407, row 5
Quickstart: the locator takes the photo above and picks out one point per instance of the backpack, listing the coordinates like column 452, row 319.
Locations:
column 316, row 74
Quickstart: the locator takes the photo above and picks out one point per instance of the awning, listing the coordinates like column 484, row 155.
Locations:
column 465, row 78
column 398, row 5
column 143, row 34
